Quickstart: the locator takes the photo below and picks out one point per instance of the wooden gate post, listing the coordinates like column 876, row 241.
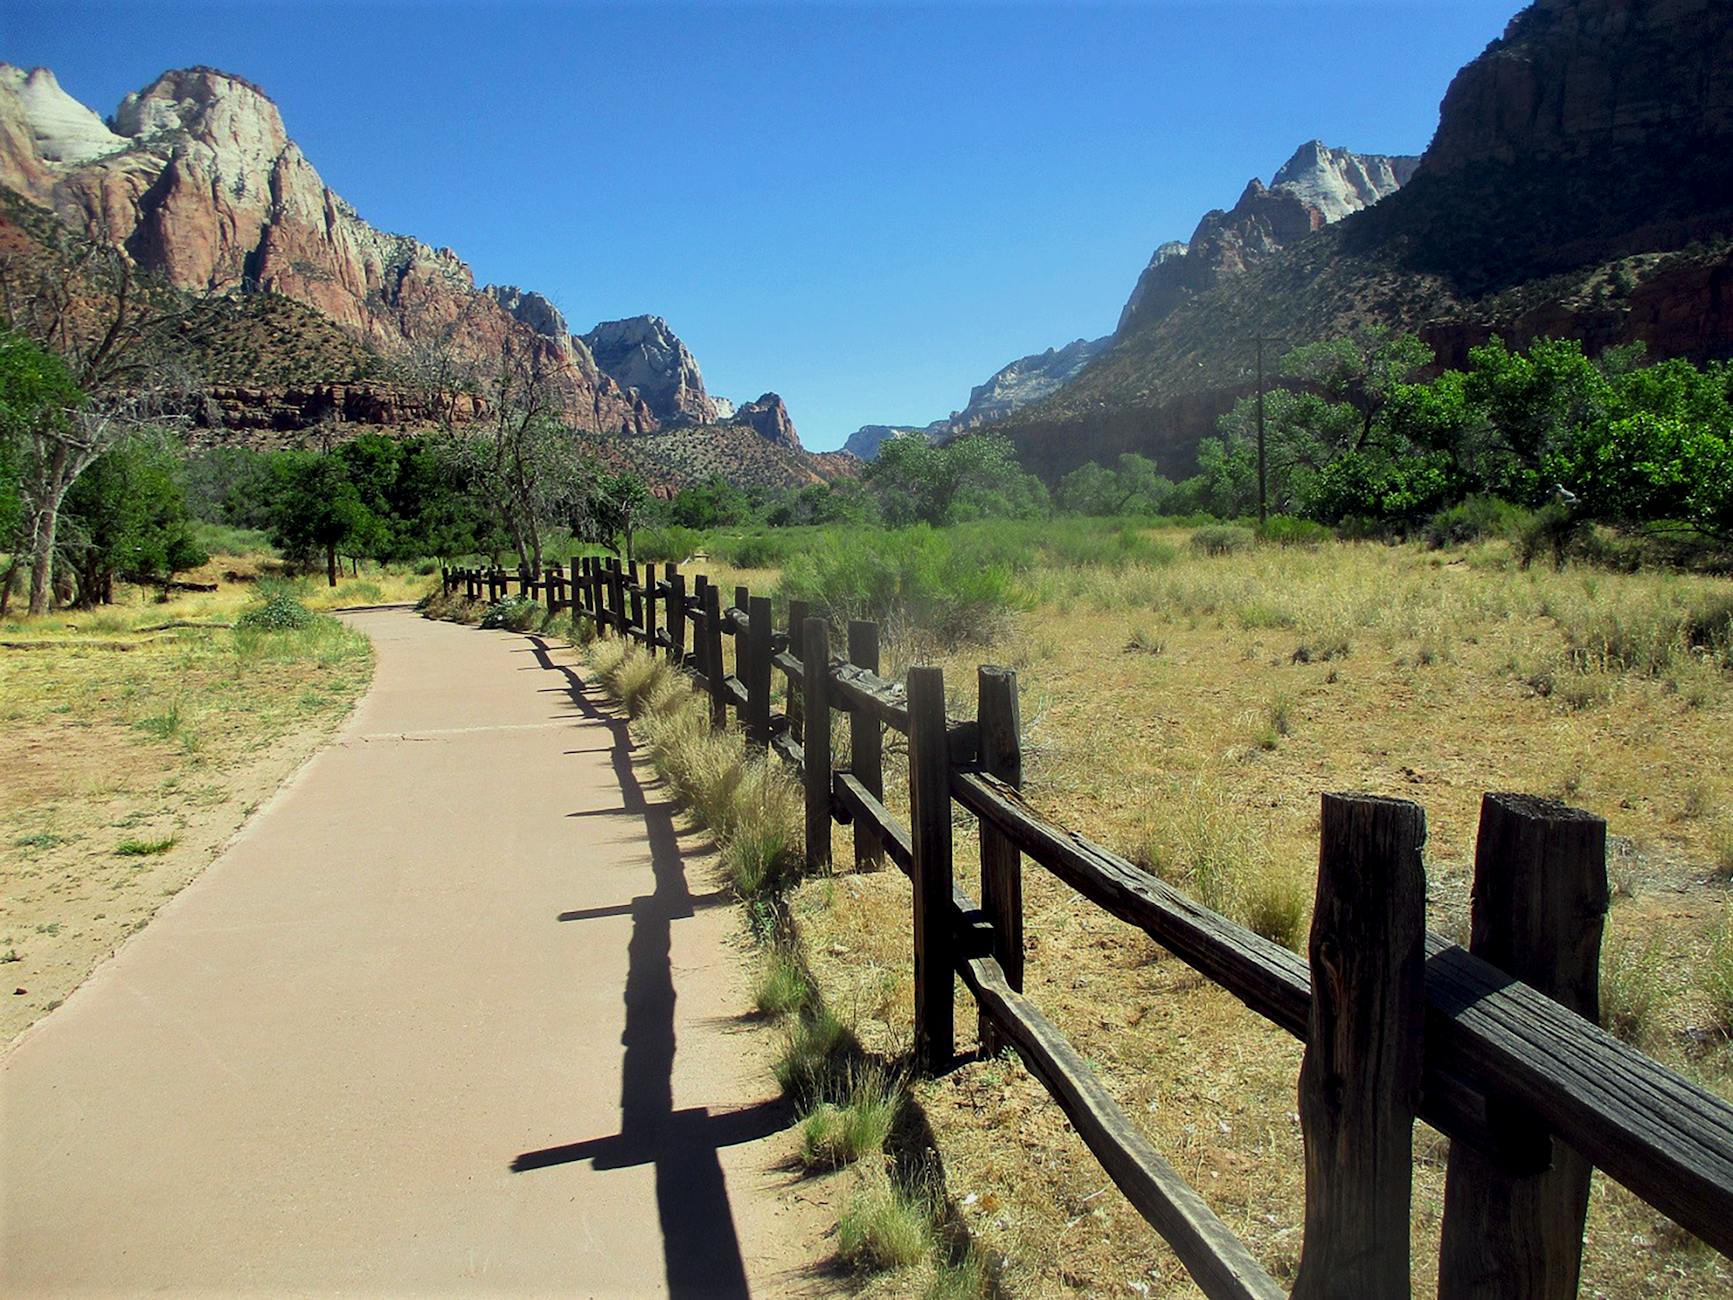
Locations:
column 815, row 674
column 677, row 613
column 617, row 591
column 1540, row 905
column 930, row 834
column 713, row 657
column 758, row 671
column 796, row 632
column 866, row 746
column 650, row 603
column 1360, row 1079
column 1000, row 718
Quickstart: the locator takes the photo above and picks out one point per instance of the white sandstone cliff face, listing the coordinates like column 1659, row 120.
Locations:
column 641, row 352
column 1025, row 380
column 1317, row 186
column 200, row 183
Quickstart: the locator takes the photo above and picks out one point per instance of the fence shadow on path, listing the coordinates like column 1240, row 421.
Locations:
column 700, row 1247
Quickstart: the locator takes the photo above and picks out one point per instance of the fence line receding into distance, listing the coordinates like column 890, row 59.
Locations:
column 1496, row 1045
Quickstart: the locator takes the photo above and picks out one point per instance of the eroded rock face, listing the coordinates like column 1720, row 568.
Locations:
column 769, row 417
column 1573, row 77
column 1316, row 186
column 1025, row 380
column 641, row 352
column 199, row 182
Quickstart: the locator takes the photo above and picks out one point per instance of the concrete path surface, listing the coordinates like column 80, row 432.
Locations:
column 454, row 1014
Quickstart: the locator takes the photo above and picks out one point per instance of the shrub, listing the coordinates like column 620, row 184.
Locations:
column 917, row 578
column 277, row 612
column 1473, row 519
column 514, row 613
column 1285, row 530
column 857, row 1123
column 1222, row 539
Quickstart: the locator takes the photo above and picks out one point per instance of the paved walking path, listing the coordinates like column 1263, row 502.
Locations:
column 453, row 1014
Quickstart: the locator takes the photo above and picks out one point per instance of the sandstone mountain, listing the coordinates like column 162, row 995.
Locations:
column 1318, row 185
column 864, row 442
column 1315, row 187
column 769, row 418
column 1577, row 185
column 641, row 352
column 305, row 312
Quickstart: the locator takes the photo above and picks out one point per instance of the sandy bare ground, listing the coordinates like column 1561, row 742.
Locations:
column 458, row 1012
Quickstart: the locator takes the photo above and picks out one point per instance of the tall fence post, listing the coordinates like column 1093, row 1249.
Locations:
column 758, row 670
column 650, row 603
column 796, row 631
column 999, row 715
column 866, row 745
column 1360, row 1079
column 677, row 613
column 1540, row 904
column 815, row 672
column 637, row 594
column 930, row 834
column 617, row 589
column 713, row 656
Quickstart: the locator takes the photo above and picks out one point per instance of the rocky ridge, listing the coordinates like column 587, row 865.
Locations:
column 1316, row 187
column 641, row 352
column 1576, row 187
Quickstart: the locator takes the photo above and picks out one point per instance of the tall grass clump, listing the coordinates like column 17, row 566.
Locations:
column 917, row 578
column 884, row 1228
column 856, row 1123
column 1631, row 990
column 1648, row 629
column 1717, row 977
column 783, row 988
column 1222, row 539
column 1474, row 519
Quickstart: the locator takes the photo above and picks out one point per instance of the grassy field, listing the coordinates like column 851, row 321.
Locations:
column 140, row 736
column 1187, row 705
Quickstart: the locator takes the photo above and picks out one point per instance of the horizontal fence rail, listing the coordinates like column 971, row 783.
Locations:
column 1494, row 1045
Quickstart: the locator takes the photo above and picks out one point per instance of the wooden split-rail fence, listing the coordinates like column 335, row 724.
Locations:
column 1494, row 1045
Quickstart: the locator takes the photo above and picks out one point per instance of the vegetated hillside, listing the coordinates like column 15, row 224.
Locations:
column 1577, row 186
column 675, row 458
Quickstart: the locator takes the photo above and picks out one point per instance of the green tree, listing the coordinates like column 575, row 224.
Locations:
column 1134, row 486
column 316, row 509
column 127, row 514
column 972, row 477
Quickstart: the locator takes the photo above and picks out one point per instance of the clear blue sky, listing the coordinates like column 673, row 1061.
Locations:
column 867, row 208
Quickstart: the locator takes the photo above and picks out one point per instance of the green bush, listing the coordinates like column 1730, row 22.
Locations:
column 1222, row 539
column 670, row 545
column 918, row 577
column 514, row 613
column 1285, row 530
column 1473, row 519
column 277, row 612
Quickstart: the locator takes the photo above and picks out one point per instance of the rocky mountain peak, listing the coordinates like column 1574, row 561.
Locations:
column 770, row 418
column 529, row 308
column 61, row 129
column 1318, row 185
column 641, row 352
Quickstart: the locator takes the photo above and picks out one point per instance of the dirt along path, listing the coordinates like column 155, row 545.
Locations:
column 458, row 1012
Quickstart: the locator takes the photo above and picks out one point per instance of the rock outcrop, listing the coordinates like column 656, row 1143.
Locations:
column 769, row 418
column 1318, row 185
column 199, row 182
column 641, row 352
column 1025, row 380
column 864, row 442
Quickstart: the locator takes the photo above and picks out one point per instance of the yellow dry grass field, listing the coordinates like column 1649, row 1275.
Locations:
column 1189, row 715
column 139, row 737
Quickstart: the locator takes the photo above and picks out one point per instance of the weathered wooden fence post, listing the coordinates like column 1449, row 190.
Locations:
column 525, row 581
column 930, row 834
column 815, row 672
column 1360, row 1079
column 866, row 745
column 677, row 613
column 637, row 594
column 617, row 593
column 1540, row 905
column 999, row 715
column 757, row 661
column 713, row 668
column 796, row 632
column 651, row 600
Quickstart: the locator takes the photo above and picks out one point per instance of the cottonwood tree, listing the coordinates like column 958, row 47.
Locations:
column 89, row 361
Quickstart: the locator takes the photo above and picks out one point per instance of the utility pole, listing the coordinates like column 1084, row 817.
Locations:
column 1263, row 462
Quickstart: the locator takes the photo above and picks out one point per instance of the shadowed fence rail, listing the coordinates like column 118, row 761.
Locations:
column 1496, row 1045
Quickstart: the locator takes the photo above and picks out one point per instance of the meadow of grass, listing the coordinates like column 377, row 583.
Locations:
column 140, row 736
column 1186, row 704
